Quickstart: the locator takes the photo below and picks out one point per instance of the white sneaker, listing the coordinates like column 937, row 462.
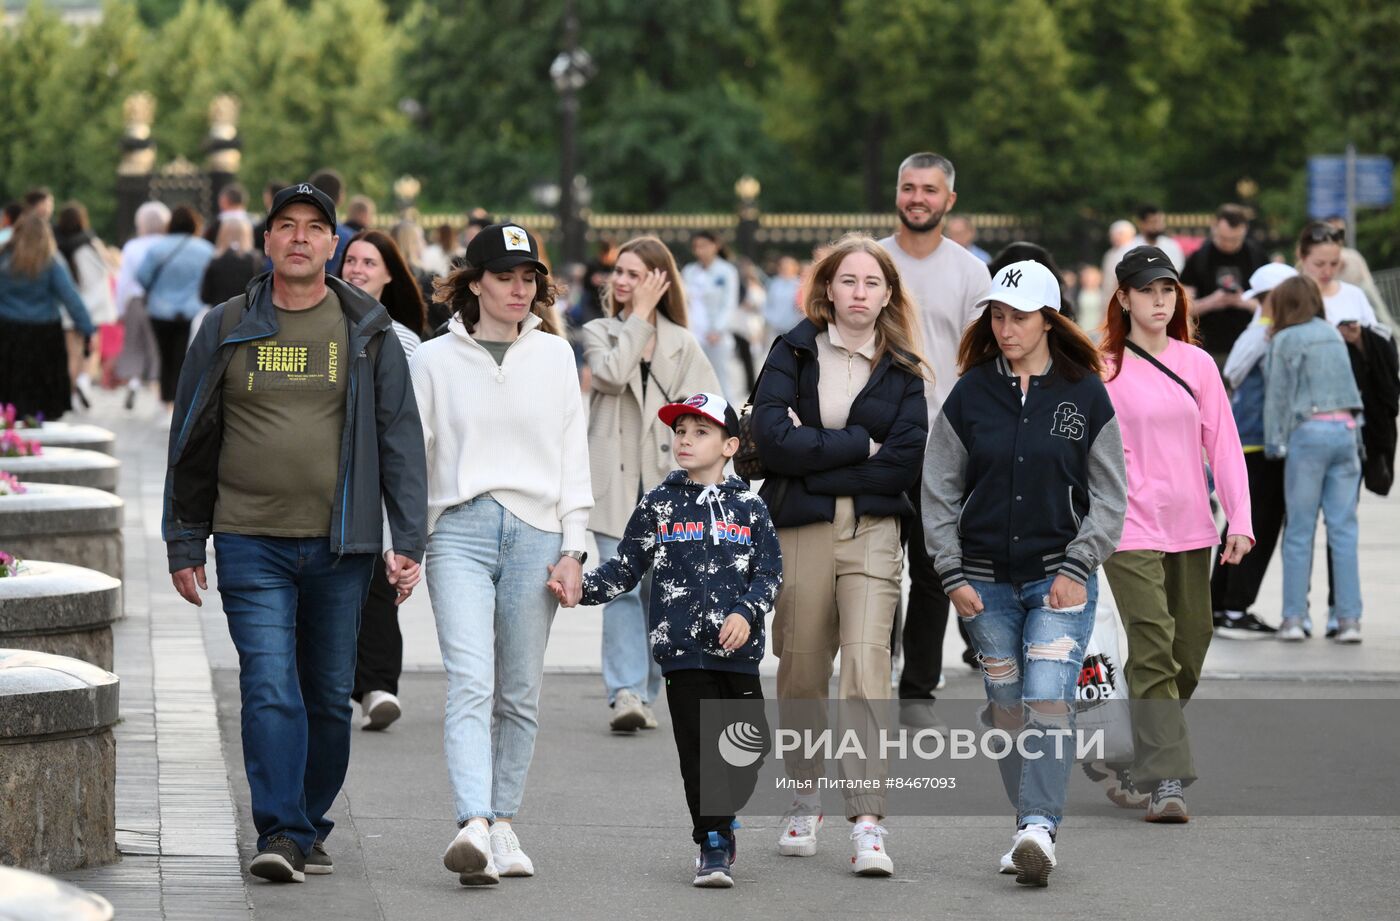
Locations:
column 871, row 858
column 380, row 709
column 1349, row 631
column 1291, row 631
column 800, row 836
column 509, row 859
column 628, row 715
column 1033, row 855
column 651, row 721
column 1008, row 861
column 469, row 856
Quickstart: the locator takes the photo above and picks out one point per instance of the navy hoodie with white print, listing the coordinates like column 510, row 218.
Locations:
column 715, row 553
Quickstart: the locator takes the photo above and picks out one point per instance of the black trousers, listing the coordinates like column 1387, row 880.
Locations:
column 700, row 758
column 926, row 618
column 380, row 659
column 172, row 341
column 743, row 350
column 1235, row 588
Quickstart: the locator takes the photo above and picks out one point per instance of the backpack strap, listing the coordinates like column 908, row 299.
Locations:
column 233, row 312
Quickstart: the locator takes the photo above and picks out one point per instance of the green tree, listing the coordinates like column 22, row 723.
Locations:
column 30, row 63
column 669, row 122
column 194, row 59
column 1348, row 64
column 352, row 55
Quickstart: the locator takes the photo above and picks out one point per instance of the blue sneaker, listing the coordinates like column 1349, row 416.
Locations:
column 717, row 855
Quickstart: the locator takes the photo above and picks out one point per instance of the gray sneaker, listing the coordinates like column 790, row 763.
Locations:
column 318, row 862
column 280, row 862
column 1348, row 631
column 651, row 722
column 628, row 715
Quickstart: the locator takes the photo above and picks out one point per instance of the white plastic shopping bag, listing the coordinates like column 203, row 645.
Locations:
column 1102, row 692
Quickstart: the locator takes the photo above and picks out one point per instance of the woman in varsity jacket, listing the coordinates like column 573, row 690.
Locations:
column 508, row 503
column 1024, row 492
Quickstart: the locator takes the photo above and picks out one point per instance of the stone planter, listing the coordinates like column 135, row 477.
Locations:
column 66, row 524
column 58, row 787
column 72, row 435
column 60, row 609
column 68, row 466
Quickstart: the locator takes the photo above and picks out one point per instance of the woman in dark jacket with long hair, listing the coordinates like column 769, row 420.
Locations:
column 374, row 264
column 840, row 421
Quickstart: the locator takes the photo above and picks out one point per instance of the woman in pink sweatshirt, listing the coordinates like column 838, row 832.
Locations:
column 1171, row 406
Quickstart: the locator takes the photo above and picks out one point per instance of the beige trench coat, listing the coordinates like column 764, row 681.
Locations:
column 629, row 448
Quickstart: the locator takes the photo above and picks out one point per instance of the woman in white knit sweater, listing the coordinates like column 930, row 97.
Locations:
column 642, row 357
column 508, row 501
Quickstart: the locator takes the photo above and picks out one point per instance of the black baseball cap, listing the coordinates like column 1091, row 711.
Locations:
column 1143, row 265
column 306, row 193
column 499, row 247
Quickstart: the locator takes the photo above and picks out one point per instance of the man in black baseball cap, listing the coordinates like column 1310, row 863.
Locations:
column 307, row 193
column 501, row 247
column 1142, row 265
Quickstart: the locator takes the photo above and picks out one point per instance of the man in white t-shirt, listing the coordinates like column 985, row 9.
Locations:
column 946, row 282
column 712, row 291
column 1152, row 231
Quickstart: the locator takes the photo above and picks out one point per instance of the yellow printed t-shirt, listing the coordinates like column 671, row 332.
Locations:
column 284, row 411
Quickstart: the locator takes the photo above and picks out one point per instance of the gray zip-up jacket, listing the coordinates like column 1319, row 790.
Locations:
column 382, row 465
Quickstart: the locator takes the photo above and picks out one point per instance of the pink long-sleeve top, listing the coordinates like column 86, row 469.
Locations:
column 1164, row 430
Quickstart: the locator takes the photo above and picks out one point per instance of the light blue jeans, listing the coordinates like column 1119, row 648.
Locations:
column 1323, row 471
column 1031, row 654
column 486, row 578
column 627, row 661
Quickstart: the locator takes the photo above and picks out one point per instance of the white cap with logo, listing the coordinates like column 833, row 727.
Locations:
column 1026, row 286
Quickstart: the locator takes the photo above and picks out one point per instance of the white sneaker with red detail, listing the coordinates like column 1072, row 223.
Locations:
column 800, row 834
column 871, row 857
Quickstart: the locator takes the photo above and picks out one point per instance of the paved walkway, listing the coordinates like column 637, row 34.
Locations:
column 604, row 817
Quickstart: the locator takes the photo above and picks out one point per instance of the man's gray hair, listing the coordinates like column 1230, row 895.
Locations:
column 927, row 160
column 152, row 217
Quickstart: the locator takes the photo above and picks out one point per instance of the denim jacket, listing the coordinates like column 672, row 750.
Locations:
column 1309, row 373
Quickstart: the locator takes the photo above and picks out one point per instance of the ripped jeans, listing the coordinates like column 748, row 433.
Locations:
column 1031, row 656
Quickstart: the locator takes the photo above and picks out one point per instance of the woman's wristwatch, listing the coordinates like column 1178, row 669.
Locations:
column 580, row 555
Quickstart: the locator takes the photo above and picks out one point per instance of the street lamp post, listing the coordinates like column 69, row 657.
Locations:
column 747, row 190
column 570, row 72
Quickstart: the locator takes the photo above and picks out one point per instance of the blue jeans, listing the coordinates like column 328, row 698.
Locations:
column 627, row 660
column 486, row 577
column 293, row 612
column 1323, row 471
column 1031, row 656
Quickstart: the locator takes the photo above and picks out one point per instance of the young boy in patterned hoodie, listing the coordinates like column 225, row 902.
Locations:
column 717, row 573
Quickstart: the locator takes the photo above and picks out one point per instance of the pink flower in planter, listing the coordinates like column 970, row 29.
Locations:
column 10, row 484
column 9, row 564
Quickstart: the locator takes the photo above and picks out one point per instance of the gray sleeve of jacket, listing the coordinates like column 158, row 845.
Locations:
column 1102, row 527
column 403, row 463
column 945, row 474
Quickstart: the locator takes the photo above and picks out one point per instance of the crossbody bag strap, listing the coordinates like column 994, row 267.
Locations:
column 1143, row 353
column 155, row 276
